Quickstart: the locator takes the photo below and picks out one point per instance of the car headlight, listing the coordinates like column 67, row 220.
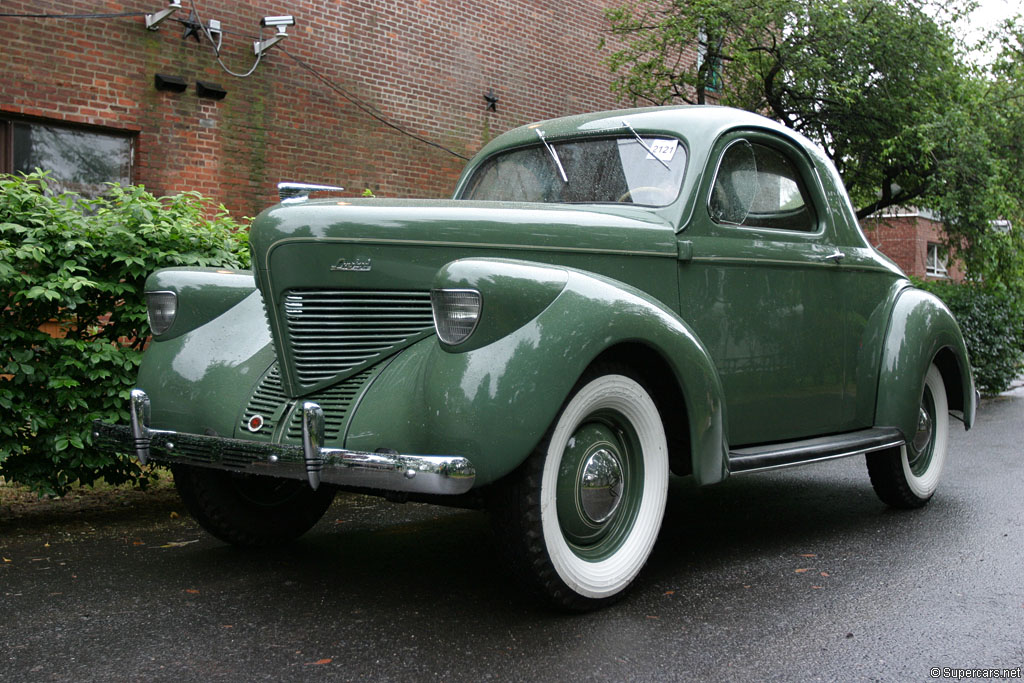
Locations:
column 456, row 313
column 161, row 307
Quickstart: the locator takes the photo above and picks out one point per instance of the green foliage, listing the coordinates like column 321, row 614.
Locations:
column 997, row 256
column 992, row 321
column 82, row 264
column 876, row 83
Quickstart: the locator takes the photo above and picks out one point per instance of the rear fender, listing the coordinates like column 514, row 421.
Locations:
column 493, row 402
column 922, row 331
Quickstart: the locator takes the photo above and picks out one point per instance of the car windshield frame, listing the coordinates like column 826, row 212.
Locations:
column 627, row 169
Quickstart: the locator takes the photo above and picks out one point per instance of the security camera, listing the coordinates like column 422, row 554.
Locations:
column 261, row 46
column 283, row 20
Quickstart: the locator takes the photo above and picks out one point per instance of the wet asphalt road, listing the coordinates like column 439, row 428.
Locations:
column 796, row 575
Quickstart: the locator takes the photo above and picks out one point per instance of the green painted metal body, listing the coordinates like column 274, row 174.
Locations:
column 921, row 330
column 497, row 401
column 201, row 381
column 202, row 294
column 767, row 335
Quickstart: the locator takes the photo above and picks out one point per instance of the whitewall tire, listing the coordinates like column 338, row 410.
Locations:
column 591, row 499
column 907, row 477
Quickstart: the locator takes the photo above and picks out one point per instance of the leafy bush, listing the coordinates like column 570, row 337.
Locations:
column 992, row 320
column 78, row 266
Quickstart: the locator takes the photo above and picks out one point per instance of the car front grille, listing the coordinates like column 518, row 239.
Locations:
column 273, row 406
column 330, row 331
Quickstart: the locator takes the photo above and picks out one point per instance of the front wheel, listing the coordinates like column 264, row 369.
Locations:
column 580, row 517
column 248, row 510
column 907, row 476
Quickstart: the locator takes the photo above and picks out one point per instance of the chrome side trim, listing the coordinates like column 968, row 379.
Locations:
column 312, row 461
column 775, row 456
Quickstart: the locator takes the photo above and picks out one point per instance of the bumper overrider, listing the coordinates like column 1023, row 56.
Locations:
column 385, row 470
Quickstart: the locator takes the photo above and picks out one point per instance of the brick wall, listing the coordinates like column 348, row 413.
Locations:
column 424, row 65
column 904, row 238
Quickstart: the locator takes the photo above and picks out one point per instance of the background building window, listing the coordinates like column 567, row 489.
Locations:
column 936, row 263
column 79, row 159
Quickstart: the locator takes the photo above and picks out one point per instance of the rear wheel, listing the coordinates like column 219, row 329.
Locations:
column 580, row 517
column 907, row 476
column 247, row 510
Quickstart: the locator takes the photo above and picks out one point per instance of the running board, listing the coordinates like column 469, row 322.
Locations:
column 773, row 456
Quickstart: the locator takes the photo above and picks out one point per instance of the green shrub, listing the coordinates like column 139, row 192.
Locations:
column 79, row 265
column 992, row 320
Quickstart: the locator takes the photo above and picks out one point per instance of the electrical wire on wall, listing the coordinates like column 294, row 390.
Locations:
column 365, row 108
column 215, row 44
column 360, row 104
column 116, row 15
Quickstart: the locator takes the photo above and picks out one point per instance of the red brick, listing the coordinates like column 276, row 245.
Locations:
column 423, row 66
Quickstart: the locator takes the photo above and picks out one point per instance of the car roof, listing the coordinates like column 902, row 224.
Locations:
column 690, row 122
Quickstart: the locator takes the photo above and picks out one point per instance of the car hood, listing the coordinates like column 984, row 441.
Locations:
column 317, row 261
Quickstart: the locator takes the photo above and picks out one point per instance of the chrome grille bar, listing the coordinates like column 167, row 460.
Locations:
column 332, row 331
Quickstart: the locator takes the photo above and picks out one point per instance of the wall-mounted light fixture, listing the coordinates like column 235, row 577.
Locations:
column 281, row 22
column 153, row 20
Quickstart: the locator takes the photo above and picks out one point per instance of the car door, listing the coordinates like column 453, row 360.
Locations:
column 759, row 283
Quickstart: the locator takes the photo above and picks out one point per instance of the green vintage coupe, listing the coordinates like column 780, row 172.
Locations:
column 606, row 300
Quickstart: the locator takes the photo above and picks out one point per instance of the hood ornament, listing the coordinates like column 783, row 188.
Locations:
column 291, row 193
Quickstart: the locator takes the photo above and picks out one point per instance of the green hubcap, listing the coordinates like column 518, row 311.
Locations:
column 919, row 454
column 600, row 482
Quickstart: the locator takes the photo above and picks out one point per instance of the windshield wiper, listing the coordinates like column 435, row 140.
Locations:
column 554, row 155
column 644, row 145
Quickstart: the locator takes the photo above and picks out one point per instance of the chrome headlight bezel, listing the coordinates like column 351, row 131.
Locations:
column 161, row 309
column 456, row 313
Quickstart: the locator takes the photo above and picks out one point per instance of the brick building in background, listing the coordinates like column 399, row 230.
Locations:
column 105, row 99
column 913, row 239
column 86, row 88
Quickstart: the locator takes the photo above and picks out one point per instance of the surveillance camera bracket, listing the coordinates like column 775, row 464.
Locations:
column 153, row 20
column 261, row 46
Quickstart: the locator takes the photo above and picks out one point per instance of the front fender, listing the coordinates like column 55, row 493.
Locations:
column 921, row 331
column 202, row 294
column 494, row 403
column 200, row 381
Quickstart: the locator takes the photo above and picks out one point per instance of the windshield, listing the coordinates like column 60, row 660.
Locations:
column 620, row 170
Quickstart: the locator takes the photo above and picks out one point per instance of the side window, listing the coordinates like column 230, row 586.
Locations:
column 758, row 186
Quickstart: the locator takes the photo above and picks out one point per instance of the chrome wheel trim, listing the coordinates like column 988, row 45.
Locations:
column 925, row 431
column 600, row 485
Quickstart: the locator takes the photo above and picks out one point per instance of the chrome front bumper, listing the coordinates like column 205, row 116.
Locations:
column 386, row 471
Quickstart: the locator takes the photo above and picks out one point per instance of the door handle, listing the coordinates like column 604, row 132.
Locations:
column 835, row 257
